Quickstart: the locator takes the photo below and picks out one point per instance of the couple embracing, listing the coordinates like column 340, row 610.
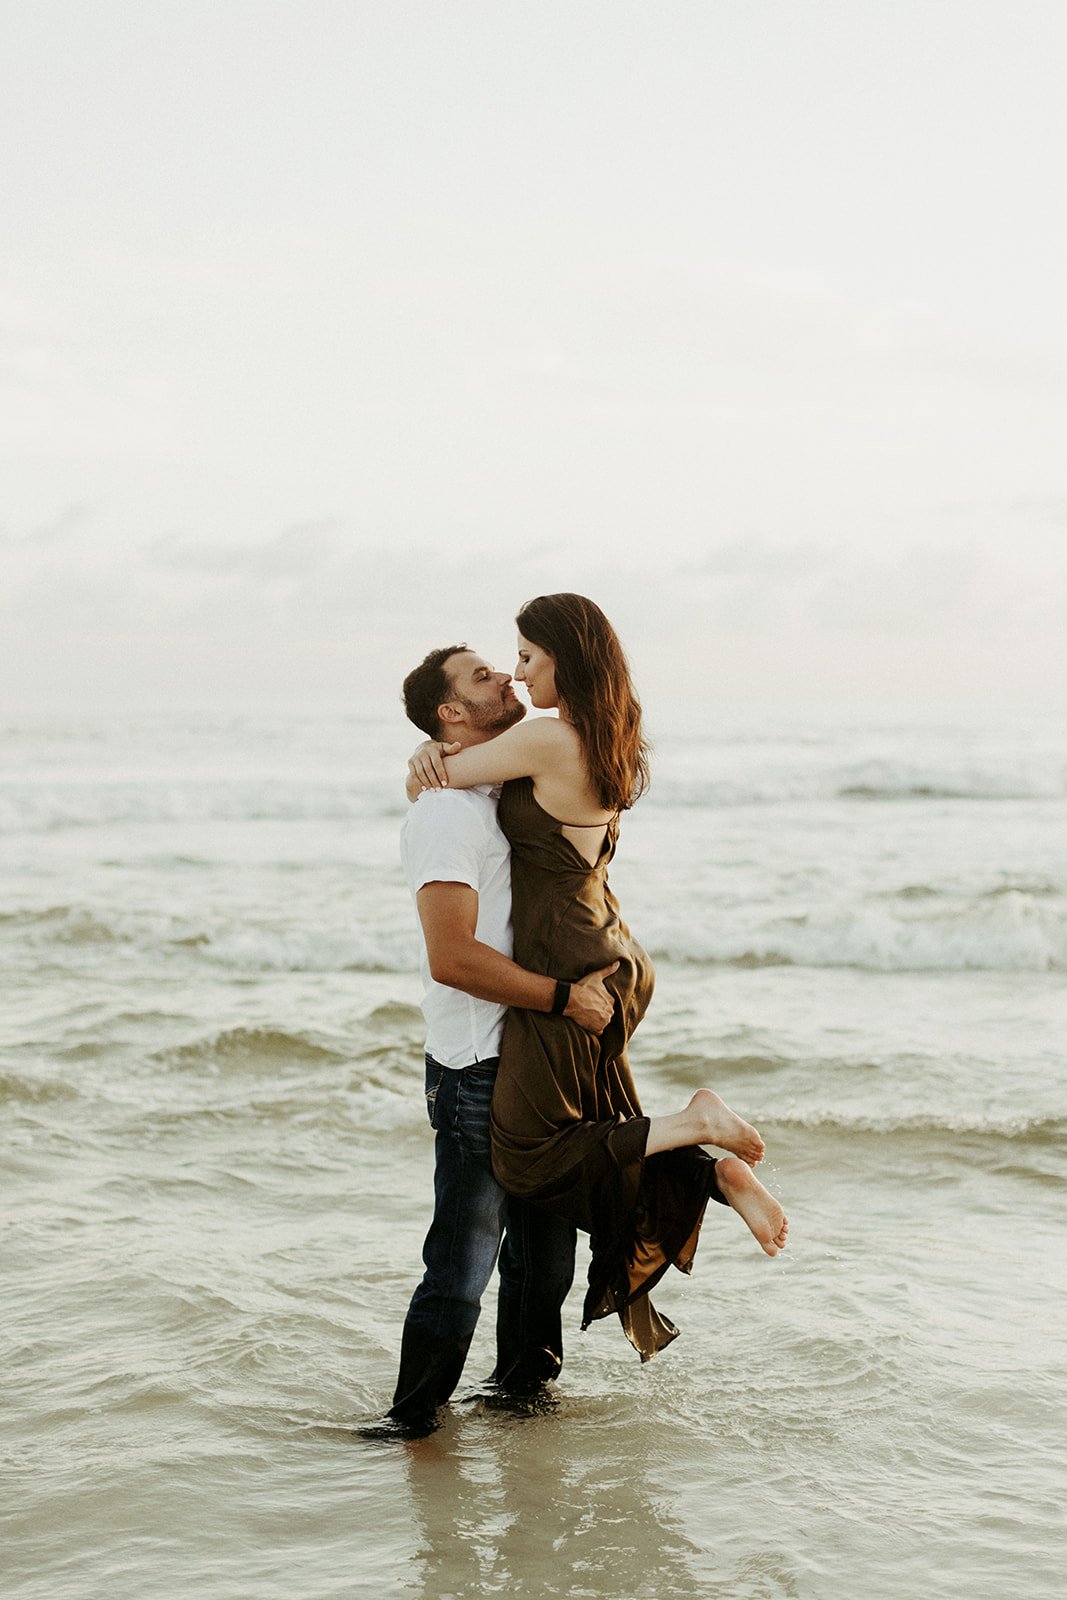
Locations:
column 533, row 986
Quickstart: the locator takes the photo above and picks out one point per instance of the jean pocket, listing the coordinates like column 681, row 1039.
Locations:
column 472, row 1109
column 434, row 1075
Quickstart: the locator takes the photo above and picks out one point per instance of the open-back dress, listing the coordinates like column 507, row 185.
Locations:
column 567, row 1127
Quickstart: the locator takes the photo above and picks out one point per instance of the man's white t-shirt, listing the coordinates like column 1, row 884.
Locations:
column 452, row 836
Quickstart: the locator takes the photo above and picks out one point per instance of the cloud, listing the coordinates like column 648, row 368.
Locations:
column 1048, row 510
column 53, row 405
column 755, row 555
column 320, row 613
column 67, row 525
column 297, row 550
column 919, row 588
column 16, row 314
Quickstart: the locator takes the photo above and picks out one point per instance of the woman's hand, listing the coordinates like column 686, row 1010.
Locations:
column 528, row 750
column 426, row 768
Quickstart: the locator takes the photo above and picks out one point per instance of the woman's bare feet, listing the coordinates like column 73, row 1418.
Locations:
column 753, row 1203
column 723, row 1127
column 707, row 1119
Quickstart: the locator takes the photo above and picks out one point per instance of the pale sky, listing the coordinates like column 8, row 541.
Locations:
column 330, row 332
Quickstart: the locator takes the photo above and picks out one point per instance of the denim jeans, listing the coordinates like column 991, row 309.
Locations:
column 471, row 1212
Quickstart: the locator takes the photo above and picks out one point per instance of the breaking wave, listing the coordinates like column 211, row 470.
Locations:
column 1036, row 1132
column 45, row 807
column 1009, row 932
column 240, row 1049
column 920, row 929
column 714, row 777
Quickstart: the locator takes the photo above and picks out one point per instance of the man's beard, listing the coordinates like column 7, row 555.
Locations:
column 493, row 719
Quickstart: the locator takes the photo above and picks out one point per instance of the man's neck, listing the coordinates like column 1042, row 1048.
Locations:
column 466, row 738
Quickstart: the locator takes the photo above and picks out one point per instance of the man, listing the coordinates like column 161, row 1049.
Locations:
column 458, row 867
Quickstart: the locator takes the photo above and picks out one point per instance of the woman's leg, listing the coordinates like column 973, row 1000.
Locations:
column 754, row 1204
column 706, row 1120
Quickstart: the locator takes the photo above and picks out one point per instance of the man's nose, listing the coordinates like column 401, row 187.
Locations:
column 505, row 678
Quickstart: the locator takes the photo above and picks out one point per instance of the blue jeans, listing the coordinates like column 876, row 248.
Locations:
column 471, row 1212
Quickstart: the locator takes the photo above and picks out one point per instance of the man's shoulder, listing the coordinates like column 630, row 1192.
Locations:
column 439, row 803
column 452, row 835
column 448, row 810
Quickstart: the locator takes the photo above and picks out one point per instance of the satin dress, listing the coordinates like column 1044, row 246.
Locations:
column 567, row 1127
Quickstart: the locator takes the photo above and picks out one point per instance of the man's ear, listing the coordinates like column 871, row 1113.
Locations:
column 447, row 712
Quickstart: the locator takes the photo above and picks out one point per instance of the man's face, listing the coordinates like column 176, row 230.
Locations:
column 486, row 697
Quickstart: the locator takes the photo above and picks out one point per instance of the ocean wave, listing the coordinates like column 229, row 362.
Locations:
column 65, row 924
column 393, row 1014
column 707, row 776
column 1011, row 932
column 1038, row 1132
column 675, row 1064
column 919, row 929
column 1000, row 777
column 45, row 807
column 1038, row 888
column 17, row 1089
column 245, row 946
column 311, row 950
column 240, row 1049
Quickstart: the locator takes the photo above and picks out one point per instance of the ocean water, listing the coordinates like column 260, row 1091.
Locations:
column 216, row 1174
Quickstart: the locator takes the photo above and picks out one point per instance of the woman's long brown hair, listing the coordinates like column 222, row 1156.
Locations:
column 593, row 683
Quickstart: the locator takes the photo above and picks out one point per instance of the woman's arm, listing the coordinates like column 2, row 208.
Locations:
column 530, row 750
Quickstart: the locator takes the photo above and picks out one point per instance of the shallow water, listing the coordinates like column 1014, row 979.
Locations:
column 217, row 1170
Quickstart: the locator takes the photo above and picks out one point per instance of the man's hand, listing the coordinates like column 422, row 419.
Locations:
column 449, row 916
column 591, row 1002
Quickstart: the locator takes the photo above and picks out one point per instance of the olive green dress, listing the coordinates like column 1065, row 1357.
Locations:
column 567, row 1128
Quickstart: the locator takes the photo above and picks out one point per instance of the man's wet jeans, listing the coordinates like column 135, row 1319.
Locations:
column 470, row 1213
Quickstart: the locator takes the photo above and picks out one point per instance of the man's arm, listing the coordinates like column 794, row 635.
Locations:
column 458, row 958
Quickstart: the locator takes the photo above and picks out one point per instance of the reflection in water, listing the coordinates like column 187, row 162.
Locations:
column 537, row 1505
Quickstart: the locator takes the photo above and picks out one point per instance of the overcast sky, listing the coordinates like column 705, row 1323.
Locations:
column 332, row 331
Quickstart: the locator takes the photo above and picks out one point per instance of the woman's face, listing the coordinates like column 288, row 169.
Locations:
column 537, row 670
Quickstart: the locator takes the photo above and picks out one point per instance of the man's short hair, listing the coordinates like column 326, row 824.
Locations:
column 427, row 687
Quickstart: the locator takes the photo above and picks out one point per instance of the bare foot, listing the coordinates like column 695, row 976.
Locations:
column 723, row 1127
column 753, row 1203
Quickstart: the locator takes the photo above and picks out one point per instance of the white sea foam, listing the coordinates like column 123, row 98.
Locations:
column 1014, row 932
column 47, row 806
column 242, row 944
column 897, row 780
column 708, row 774
column 313, row 949
column 862, row 764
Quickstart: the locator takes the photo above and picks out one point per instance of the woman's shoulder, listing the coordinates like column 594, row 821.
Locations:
column 553, row 733
column 544, row 738
column 556, row 740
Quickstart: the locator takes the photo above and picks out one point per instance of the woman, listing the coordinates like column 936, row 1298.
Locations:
column 568, row 1130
